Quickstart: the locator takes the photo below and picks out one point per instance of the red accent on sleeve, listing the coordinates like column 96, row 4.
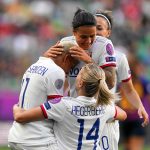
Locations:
column 108, row 65
column 126, row 80
column 44, row 111
column 49, row 97
column 115, row 113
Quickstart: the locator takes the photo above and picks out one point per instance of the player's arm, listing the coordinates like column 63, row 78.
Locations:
column 134, row 99
column 25, row 116
column 76, row 52
column 107, row 61
column 124, row 76
column 116, row 113
column 120, row 114
column 110, row 73
column 53, row 109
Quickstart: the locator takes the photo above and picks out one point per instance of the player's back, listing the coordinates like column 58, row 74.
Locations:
column 38, row 83
column 111, row 133
column 78, row 122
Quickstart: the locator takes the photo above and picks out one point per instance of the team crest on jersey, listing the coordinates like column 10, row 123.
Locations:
column 59, row 83
column 129, row 71
column 55, row 100
column 109, row 49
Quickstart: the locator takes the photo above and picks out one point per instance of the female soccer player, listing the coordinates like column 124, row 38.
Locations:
column 90, row 48
column 110, row 135
column 78, row 121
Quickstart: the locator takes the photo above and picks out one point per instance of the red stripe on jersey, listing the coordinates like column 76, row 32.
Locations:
column 108, row 65
column 115, row 113
column 44, row 111
column 49, row 97
column 126, row 80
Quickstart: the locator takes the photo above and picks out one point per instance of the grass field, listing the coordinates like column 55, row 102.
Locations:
column 6, row 148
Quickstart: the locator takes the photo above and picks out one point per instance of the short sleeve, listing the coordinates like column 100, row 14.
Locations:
column 111, row 112
column 108, row 56
column 123, row 69
column 55, row 83
column 54, row 109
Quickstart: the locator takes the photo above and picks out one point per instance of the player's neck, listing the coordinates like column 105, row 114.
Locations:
column 80, row 92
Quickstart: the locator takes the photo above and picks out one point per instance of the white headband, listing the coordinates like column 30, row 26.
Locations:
column 109, row 24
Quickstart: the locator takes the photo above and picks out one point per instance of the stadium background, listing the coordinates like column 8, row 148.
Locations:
column 29, row 27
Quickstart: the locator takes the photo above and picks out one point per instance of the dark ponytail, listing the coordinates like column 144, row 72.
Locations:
column 83, row 18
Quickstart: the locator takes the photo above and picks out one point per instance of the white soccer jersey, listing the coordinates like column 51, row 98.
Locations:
column 110, row 134
column 101, row 51
column 123, row 69
column 123, row 73
column 41, row 81
column 78, row 124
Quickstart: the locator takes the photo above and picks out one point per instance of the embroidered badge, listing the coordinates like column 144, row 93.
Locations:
column 59, row 83
column 129, row 71
column 109, row 49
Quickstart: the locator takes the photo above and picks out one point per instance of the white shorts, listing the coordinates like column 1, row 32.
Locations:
column 19, row 146
column 110, row 136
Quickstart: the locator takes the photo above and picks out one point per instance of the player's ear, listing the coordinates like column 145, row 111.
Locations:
column 109, row 33
column 80, row 84
column 74, row 32
column 66, row 57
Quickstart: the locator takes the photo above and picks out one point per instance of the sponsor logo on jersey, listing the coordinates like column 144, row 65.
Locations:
column 47, row 105
column 110, row 59
column 74, row 72
column 59, row 83
column 109, row 49
column 55, row 100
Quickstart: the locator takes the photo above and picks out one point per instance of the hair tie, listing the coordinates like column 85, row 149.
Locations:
column 99, row 14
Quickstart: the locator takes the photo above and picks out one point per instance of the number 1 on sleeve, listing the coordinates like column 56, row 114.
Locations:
column 27, row 82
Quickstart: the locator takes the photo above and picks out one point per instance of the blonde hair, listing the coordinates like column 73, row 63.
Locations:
column 67, row 44
column 94, row 84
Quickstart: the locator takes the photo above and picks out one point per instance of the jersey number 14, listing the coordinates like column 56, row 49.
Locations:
column 90, row 135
